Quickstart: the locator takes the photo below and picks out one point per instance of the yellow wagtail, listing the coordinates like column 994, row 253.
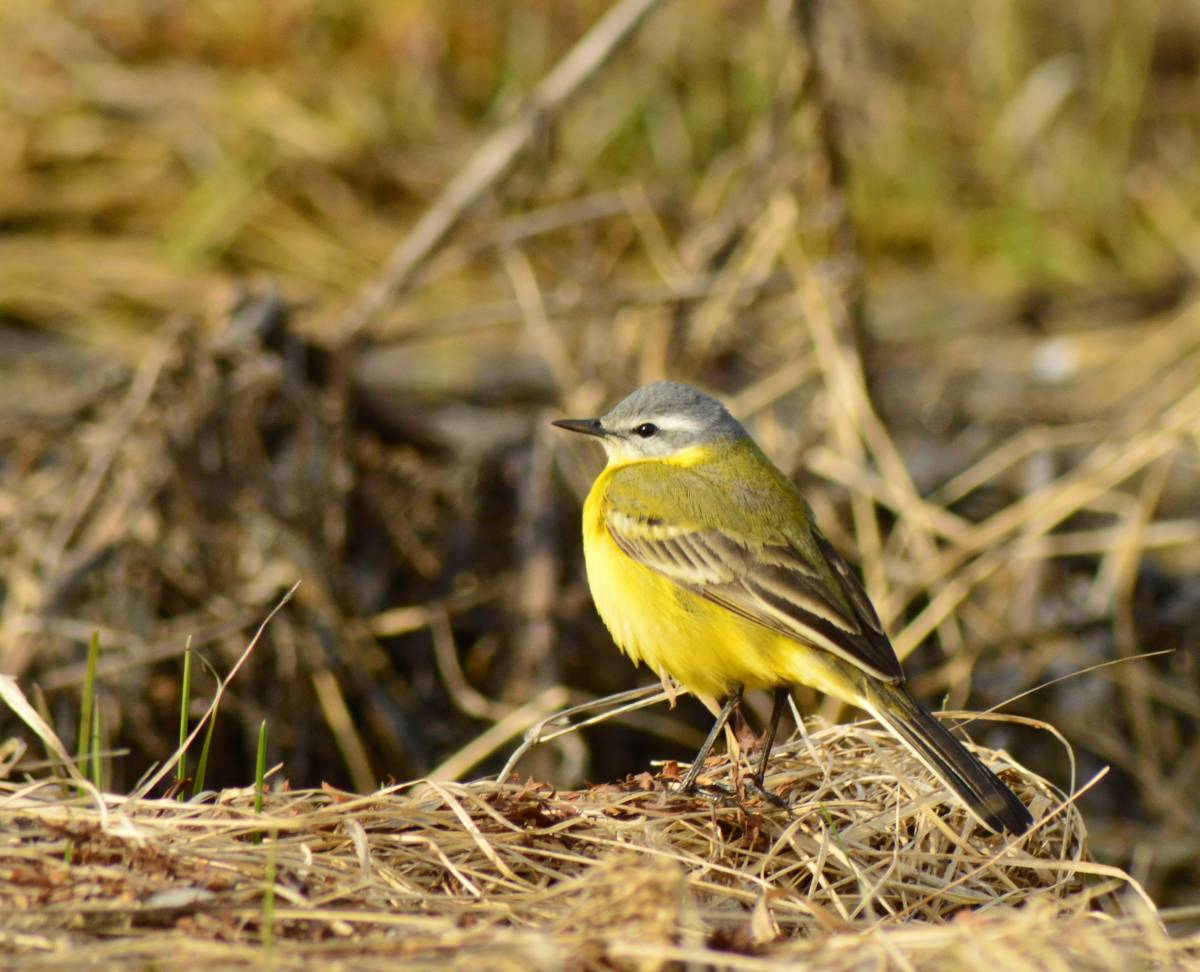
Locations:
column 705, row 563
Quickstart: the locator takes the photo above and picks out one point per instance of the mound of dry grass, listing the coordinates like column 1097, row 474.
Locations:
column 869, row 865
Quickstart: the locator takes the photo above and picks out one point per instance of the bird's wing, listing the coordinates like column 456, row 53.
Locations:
column 810, row 595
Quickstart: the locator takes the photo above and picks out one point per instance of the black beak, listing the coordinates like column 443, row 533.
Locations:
column 586, row 426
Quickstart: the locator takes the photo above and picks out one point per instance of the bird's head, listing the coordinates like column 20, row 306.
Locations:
column 659, row 421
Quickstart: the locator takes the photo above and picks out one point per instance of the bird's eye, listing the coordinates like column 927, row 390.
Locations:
column 646, row 429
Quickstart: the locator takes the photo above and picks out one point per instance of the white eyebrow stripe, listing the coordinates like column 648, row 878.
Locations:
column 671, row 423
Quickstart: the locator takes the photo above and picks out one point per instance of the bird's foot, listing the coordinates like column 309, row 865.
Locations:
column 710, row 791
column 767, row 796
column 719, row 793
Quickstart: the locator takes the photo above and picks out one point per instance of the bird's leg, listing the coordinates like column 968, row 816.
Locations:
column 757, row 781
column 735, row 699
column 780, row 700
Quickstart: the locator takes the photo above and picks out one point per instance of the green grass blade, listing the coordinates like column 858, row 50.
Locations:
column 202, row 766
column 95, row 744
column 184, row 705
column 260, row 767
column 82, row 748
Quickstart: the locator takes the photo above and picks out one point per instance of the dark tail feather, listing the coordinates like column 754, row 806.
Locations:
column 988, row 799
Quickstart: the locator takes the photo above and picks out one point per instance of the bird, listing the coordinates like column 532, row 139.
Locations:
column 705, row 562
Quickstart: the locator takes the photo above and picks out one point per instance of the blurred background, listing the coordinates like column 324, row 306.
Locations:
column 940, row 256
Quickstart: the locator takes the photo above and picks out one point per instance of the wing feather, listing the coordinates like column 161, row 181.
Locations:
column 774, row 584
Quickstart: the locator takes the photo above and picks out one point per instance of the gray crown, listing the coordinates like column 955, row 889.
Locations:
column 676, row 408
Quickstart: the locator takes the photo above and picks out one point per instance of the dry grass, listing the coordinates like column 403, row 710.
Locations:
column 868, row 866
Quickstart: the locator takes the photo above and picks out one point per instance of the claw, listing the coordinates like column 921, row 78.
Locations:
column 767, row 796
column 719, row 793
column 712, row 791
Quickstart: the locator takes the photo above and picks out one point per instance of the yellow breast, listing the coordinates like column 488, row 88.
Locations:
column 703, row 646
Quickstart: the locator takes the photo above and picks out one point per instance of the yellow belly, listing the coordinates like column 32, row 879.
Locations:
column 703, row 646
